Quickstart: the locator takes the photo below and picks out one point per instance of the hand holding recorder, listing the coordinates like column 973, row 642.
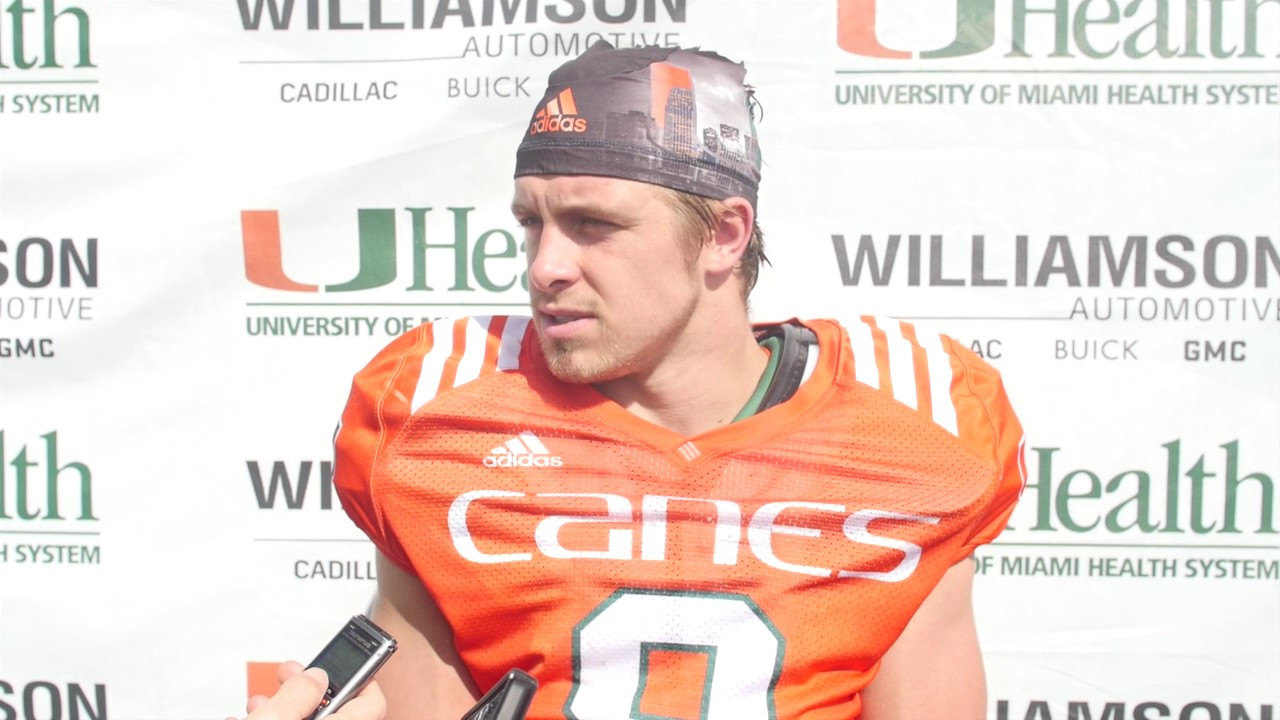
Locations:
column 301, row 693
column 338, row 685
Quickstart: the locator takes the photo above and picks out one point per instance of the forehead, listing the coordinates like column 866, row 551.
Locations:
column 535, row 191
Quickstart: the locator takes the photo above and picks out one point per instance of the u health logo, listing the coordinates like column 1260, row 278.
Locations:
column 1077, row 28
column 490, row 259
column 42, row 484
column 35, row 42
column 856, row 30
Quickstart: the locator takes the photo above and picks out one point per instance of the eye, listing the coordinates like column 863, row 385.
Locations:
column 595, row 224
column 528, row 221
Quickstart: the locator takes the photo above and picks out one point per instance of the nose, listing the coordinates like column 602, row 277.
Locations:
column 553, row 258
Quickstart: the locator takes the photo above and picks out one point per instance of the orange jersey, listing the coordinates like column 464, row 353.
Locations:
column 758, row 570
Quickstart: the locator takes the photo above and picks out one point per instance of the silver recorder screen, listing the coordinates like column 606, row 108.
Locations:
column 345, row 659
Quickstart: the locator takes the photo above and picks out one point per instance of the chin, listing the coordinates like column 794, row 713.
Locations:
column 579, row 365
column 568, row 368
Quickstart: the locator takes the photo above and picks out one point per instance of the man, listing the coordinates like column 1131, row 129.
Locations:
column 655, row 508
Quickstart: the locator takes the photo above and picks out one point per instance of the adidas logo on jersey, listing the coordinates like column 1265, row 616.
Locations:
column 523, row 450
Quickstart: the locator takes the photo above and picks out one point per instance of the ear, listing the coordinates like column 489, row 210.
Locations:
column 733, row 233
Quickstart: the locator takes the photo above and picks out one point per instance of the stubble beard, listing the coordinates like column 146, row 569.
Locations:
column 577, row 361
column 606, row 357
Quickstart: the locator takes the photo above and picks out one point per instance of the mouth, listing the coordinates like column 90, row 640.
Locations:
column 560, row 323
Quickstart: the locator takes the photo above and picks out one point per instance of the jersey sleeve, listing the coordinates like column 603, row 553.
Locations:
column 988, row 426
column 379, row 405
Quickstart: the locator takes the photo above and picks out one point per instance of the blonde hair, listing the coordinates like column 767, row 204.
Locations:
column 700, row 217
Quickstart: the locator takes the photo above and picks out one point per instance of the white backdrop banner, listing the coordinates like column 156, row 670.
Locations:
column 213, row 212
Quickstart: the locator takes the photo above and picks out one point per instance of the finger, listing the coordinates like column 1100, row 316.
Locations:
column 296, row 698
column 288, row 669
column 284, row 671
column 315, row 680
column 373, row 690
column 370, row 704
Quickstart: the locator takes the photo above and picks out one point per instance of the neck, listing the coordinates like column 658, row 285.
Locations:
column 701, row 383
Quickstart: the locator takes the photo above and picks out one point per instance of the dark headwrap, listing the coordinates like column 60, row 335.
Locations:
column 682, row 119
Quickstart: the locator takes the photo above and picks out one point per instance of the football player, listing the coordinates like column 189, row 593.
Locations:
column 654, row 506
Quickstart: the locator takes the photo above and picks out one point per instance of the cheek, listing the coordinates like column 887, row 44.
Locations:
column 650, row 284
column 657, row 301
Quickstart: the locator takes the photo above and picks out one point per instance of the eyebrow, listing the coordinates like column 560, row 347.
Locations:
column 518, row 205
column 584, row 207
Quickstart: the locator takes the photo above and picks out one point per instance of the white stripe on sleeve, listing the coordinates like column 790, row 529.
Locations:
column 944, row 408
column 902, row 367
column 864, row 354
column 512, row 337
column 473, row 352
column 433, row 364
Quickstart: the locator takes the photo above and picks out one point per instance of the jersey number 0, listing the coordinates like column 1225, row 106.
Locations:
column 612, row 646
